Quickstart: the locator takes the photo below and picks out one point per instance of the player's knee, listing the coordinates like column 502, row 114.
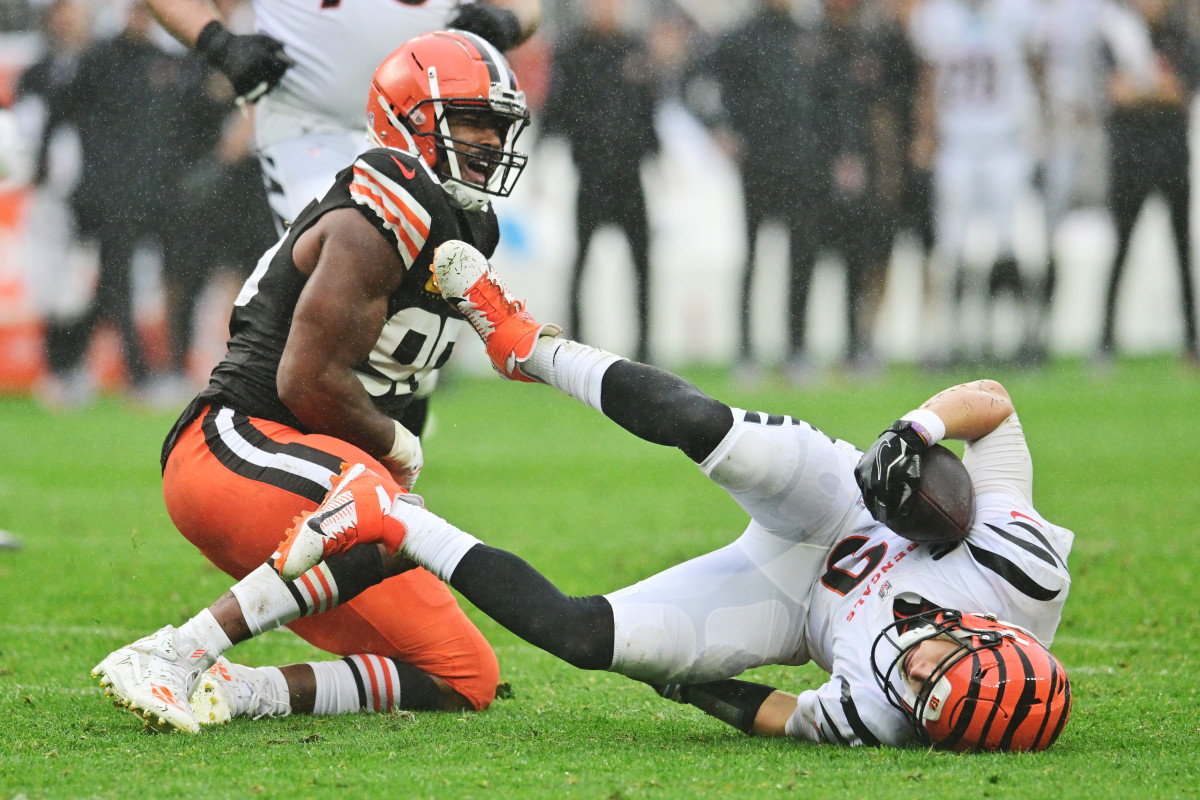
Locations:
column 657, row 644
column 695, row 423
column 745, row 461
column 587, row 643
column 473, row 689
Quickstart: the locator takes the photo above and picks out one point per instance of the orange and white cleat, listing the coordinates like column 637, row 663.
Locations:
column 354, row 512
column 469, row 283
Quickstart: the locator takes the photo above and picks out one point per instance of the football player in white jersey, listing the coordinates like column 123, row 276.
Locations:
column 307, row 67
column 925, row 643
column 977, row 125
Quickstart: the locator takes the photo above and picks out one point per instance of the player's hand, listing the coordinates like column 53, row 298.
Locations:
column 498, row 25
column 889, row 473
column 405, row 473
column 253, row 63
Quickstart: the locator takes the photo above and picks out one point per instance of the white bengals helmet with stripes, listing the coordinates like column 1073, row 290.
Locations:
column 437, row 74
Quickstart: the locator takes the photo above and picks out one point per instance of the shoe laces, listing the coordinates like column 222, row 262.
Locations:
column 255, row 697
column 169, row 664
column 499, row 298
column 263, row 705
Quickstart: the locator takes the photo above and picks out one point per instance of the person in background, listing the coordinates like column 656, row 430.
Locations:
column 306, row 65
column 1075, row 169
column 1155, row 72
column 52, row 248
column 602, row 102
column 865, row 191
column 978, row 100
column 904, row 172
column 144, row 117
column 766, row 92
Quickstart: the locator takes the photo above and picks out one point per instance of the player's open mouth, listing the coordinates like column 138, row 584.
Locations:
column 476, row 171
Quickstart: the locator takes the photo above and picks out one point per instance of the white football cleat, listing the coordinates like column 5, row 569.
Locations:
column 227, row 690
column 152, row 679
column 469, row 283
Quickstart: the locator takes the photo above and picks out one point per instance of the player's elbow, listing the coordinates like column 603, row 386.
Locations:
column 1001, row 400
column 992, row 405
column 301, row 391
column 290, row 388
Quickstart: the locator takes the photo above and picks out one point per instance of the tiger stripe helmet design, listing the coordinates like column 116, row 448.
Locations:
column 998, row 689
column 440, row 73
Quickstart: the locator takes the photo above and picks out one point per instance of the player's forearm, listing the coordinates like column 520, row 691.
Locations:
column 972, row 410
column 774, row 713
column 184, row 19
column 334, row 403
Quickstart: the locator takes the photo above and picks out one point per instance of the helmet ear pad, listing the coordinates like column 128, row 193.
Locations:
column 388, row 125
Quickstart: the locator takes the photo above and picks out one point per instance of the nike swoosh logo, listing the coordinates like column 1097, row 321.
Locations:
column 317, row 520
column 409, row 174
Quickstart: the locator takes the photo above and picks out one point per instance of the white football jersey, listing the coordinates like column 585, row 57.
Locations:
column 1075, row 72
column 1013, row 563
column 337, row 44
column 980, row 51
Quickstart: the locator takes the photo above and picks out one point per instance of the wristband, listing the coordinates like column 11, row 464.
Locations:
column 405, row 447
column 928, row 424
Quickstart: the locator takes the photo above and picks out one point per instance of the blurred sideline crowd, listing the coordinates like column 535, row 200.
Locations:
column 133, row 206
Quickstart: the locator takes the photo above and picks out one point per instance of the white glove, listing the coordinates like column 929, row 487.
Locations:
column 405, row 460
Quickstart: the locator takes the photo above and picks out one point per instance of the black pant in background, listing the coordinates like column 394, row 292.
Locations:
column 1150, row 156
column 618, row 199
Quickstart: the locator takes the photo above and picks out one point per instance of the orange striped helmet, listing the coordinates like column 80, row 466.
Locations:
column 440, row 73
column 997, row 689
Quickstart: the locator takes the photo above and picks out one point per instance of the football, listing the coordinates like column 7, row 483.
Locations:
column 944, row 507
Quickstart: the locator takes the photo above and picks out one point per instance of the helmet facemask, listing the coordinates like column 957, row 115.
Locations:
column 496, row 168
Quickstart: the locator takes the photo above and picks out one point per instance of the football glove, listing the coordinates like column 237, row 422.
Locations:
column 254, row 63
column 498, row 25
column 889, row 473
column 405, row 460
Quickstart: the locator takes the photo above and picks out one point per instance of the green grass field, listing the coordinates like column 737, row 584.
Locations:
column 529, row 470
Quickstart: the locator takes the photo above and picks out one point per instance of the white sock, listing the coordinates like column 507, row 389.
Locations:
column 356, row 683
column 265, row 600
column 336, row 692
column 281, row 695
column 202, row 639
column 430, row 541
column 571, row 367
